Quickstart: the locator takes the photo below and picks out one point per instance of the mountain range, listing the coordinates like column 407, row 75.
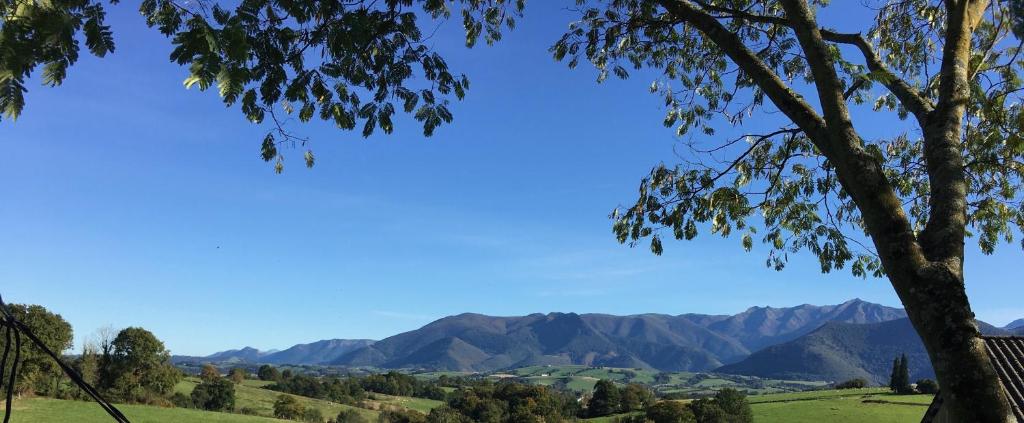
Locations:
column 688, row 342
column 319, row 352
column 834, row 342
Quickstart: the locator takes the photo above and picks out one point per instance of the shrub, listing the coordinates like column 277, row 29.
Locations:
column 312, row 415
column 927, row 386
column 856, row 383
column 735, row 405
column 401, row 416
column 249, row 411
column 217, row 395
column 350, row 416
column 181, row 400
column 668, row 412
column 288, row 408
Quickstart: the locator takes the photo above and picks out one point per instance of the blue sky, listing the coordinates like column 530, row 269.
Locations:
column 130, row 201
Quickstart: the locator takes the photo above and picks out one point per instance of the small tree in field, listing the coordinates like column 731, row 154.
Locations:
column 237, row 375
column 267, row 372
column 288, row 408
column 209, row 373
column 215, row 395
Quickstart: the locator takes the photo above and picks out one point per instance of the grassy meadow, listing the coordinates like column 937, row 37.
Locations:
column 842, row 406
column 249, row 394
column 46, row 410
column 835, row 406
column 876, row 405
column 690, row 384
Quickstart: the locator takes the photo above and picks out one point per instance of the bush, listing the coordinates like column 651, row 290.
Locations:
column 350, row 416
column 312, row 415
column 269, row 373
column 217, row 395
column 927, row 386
column 735, row 405
column 401, row 416
column 669, row 412
column 181, row 400
column 853, row 384
column 288, row 408
column 249, row 411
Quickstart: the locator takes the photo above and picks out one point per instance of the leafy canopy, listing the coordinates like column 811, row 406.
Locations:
column 353, row 63
column 776, row 185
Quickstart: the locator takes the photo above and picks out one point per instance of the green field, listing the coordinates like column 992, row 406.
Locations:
column 840, row 406
column 45, row 410
column 876, row 405
column 249, row 395
column 689, row 384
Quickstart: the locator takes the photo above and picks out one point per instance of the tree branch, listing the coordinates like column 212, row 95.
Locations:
column 818, row 56
column 795, row 108
column 944, row 233
column 909, row 96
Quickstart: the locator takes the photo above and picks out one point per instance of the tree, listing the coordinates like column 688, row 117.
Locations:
column 634, row 397
column 902, row 376
column 209, row 373
column 214, row 395
column 312, row 415
column 139, row 367
column 237, row 375
column 351, row 416
column 288, row 408
column 446, row 414
column 707, row 410
column 37, row 372
column 897, row 206
column 927, row 386
column 734, row 404
column 670, row 412
column 894, row 375
column 350, row 63
column 87, row 365
column 606, row 399
column 268, row 373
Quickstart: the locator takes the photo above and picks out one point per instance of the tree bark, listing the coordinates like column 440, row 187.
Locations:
column 940, row 312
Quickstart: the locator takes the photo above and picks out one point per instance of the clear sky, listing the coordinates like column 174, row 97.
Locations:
column 127, row 200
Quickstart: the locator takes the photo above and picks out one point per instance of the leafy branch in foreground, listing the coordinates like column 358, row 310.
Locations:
column 353, row 63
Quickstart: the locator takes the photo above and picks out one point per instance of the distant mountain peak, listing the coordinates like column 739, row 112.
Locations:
column 696, row 342
column 1016, row 324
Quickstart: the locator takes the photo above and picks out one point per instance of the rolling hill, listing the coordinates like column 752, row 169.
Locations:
column 689, row 342
column 319, row 352
column 839, row 351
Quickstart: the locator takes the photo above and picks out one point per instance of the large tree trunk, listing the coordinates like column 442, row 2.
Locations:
column 943, row 318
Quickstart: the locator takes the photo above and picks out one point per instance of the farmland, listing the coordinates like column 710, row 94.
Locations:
column 875, row 405
column 681, row 384
column 854, row 405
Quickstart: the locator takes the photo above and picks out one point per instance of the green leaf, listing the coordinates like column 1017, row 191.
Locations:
column 269, row 149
